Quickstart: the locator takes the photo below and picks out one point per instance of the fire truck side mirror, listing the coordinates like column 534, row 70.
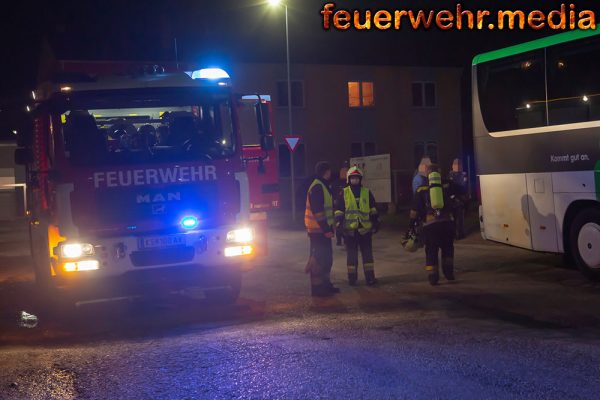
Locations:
column 23, row 156
column 262, row 118
column 267, row 143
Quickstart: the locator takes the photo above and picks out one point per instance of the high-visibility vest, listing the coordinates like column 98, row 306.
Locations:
column 310, row 219
column 357, row 216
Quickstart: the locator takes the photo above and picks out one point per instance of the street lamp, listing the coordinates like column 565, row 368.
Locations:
column 289, row 95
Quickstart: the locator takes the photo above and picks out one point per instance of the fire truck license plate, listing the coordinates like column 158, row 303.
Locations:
column 162, row 241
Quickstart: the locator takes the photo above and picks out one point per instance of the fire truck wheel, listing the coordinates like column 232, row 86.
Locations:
column 229, row 293
column 584, row 240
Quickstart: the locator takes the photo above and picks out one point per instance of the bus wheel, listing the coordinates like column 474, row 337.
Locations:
column 584, row 240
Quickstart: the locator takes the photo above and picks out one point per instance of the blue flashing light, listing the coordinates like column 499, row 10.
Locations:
column 210, row 73
column 189, row 222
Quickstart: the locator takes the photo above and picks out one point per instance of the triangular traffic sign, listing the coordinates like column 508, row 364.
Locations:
column 292, row 142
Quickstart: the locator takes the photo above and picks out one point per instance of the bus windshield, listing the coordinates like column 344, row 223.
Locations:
column 147, row 129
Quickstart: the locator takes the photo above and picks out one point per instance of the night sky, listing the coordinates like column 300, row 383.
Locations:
column 224, row 31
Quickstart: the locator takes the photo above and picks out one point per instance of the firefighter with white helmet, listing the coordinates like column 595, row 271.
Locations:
column 357, row 215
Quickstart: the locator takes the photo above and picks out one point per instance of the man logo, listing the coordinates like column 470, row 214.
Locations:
column 158, row 209
column 158, row 198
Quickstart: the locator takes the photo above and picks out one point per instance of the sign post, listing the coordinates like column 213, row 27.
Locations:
column 292, row 143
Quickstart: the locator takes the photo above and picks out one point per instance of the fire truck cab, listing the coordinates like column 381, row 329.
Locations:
column 138, row 183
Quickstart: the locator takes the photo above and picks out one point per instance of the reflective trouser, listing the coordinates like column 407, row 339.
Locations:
column 321, row 250
column 439, row 236
column 354, row 241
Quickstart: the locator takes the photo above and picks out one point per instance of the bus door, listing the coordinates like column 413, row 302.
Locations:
column 506, row 209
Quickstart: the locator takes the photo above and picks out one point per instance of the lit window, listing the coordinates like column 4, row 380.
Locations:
column 354, row 94
column 368, row 99
column 361, row 94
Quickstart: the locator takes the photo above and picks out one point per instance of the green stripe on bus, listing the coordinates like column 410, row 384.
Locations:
column 535, row 45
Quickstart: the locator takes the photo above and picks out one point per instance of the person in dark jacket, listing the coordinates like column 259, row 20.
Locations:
column 356, row 213
column 420, row 177
column 459, row 185
column 432, row 207
column 318, row 219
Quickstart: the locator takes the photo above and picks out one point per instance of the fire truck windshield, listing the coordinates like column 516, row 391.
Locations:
column 143, row 129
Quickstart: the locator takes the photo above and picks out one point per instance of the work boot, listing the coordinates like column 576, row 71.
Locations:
column 320, row 291
column 449, row 274
column 433, row 279
column 448, row 268
column 352, row 278
column 434, row 274
column 370, row 278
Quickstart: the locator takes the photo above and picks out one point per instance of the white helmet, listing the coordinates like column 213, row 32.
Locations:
column 354, row 171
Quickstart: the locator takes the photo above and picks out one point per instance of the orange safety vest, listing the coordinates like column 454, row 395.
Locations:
column 311, row 221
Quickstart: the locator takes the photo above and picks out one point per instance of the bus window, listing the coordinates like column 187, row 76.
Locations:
column 573, row 86
column 512, row 92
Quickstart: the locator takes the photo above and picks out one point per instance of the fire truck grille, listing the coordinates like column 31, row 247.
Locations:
column 174, row 255
column 130, row 205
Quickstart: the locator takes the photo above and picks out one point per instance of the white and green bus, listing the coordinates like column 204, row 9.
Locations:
column 536, row 126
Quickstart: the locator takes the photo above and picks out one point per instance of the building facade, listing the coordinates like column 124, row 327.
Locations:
column 343, row 111
column 12, row 189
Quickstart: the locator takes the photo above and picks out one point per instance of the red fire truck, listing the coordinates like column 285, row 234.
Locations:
column 139, row 181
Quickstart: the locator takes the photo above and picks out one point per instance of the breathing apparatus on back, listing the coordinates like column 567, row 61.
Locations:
column 436, row 194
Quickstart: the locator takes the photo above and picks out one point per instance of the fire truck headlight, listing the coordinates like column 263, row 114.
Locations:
column 238, row 251
column 243, row 235
column 189, row 222
column 85, row 265
column 76, row 250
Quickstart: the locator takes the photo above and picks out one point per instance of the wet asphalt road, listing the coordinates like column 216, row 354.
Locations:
column 516, row 325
